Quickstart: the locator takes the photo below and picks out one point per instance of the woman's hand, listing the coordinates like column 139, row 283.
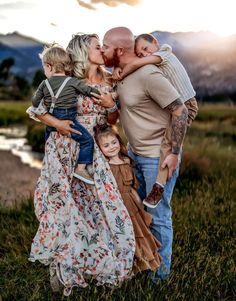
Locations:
column 63, row 126
column 105, row 99
column 65, row 129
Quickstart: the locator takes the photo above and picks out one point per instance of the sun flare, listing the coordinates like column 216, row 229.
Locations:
column 147, row 16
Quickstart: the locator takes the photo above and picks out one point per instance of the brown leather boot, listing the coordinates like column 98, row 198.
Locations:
column 154, row 197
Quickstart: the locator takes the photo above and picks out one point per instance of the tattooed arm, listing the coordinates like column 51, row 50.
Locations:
column 178, row 124
column 179, row 115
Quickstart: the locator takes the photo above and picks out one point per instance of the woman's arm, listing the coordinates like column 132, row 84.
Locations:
column 63, row 126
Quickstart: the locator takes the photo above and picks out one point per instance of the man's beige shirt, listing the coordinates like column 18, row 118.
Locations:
column 143, row 95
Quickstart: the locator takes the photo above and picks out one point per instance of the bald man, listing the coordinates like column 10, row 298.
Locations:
column 149, row 104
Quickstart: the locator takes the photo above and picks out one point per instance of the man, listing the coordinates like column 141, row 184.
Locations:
column 149, row 104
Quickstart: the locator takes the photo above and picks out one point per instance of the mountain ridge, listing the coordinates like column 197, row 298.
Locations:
column 210, row 60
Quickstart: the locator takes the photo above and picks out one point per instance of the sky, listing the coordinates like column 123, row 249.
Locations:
column 56, row 20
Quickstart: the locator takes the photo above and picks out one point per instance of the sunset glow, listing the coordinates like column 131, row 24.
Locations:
column 57, row 20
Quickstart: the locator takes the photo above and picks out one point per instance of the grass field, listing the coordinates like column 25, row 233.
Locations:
column 13, row 112
column 204, row 215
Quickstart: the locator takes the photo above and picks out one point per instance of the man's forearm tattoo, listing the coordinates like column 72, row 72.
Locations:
column 174, row 105
column 178, row 125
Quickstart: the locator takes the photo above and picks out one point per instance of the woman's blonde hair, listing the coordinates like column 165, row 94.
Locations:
column 56, row 56
column 78, row 49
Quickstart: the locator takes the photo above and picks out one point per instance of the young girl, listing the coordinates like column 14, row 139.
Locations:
column 146, row 255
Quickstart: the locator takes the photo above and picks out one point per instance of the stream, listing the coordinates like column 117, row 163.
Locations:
column 12, row 139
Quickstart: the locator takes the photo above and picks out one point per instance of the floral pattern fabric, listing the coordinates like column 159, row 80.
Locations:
column 85, row 231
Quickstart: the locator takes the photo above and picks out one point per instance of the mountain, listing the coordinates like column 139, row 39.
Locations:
column 209, row 60
column 25, row 52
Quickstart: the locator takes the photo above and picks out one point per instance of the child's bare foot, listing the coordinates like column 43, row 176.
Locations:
column 84, row 176
column 154, row 197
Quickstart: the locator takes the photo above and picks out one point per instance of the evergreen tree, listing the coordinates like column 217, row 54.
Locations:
column 38, row 78
column 5, row 67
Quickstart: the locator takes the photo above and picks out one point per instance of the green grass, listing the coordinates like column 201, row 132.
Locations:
column 13, row 112
column 218, row 112
column 203, row 265
column 204, row 215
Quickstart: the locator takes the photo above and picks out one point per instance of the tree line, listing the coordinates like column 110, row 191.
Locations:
column 14, row 86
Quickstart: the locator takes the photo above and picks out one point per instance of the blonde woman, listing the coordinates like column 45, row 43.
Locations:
column 85, row 232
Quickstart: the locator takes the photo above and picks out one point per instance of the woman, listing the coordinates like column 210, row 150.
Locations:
column 85, row 232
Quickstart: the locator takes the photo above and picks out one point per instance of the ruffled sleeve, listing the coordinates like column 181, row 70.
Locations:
column 40, row 110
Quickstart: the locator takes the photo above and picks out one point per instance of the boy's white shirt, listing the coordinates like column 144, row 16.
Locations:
column 175, row 72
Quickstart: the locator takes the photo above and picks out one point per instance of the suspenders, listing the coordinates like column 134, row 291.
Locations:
column 54, row 97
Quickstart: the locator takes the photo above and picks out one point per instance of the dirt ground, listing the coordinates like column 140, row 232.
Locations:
column 17, row 180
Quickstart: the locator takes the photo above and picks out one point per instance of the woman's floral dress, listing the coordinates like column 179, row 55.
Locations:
column 85, row 231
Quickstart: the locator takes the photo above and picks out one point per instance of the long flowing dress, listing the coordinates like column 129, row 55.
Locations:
column 85, row 231
column 147, row 246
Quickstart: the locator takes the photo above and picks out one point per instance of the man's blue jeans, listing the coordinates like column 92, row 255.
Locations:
column 146, row 170
column 85, row 140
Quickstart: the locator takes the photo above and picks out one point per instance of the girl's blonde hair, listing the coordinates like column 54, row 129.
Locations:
column 57, row 57
column 78, row 49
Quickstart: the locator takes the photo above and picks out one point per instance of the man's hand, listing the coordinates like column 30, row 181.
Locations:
column 65, row 129
column 171, row 162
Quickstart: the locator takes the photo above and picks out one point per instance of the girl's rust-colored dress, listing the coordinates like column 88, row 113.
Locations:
column 146, row 250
